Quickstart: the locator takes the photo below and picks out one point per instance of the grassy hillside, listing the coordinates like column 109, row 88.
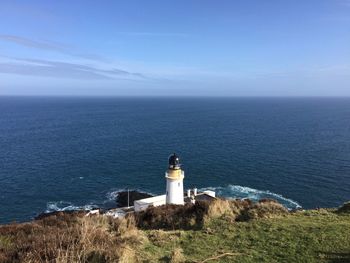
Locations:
column 313, row 236
column 224, row 231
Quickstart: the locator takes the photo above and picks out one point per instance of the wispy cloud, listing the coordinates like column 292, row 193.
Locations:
column 32, row 43
column 153, row 34
column 57, row 69
column 50, row 46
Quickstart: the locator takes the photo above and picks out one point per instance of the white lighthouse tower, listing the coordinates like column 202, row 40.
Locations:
column 174, row 181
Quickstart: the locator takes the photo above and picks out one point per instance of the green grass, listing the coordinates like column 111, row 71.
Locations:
column 5, row 242
column 310, row 236
column 269, row 233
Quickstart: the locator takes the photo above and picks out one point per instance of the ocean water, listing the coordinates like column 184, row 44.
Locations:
column 66, row 153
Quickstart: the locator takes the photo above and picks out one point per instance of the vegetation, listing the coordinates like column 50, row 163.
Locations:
column 221, row 231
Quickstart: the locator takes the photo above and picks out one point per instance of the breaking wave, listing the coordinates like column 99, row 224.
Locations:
column 67, row 206
column 113, row 194
column 109, row 202
column 230, row 191
column 244, row 192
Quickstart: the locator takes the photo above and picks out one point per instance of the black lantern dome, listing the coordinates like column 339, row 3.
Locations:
column 174, row 161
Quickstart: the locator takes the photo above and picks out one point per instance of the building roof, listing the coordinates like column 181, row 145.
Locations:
column 150, row 200
column 200, row 197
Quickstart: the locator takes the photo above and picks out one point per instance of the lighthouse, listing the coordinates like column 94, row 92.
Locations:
column 174, row 181
column 174, row 190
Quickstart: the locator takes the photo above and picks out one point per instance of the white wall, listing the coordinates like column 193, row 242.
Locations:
column 174, row 191
column 142, row 204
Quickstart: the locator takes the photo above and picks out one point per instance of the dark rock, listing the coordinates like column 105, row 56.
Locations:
column 122, row 198
column 345, row 208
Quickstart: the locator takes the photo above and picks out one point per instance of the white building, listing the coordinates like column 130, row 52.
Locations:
column 142, row 204
column 174, row 189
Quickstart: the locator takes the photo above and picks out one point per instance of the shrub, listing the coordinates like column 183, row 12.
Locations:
column 263, row 209
column 173, row 216
column 219, row 207
column 196, row 216
column 70, row 238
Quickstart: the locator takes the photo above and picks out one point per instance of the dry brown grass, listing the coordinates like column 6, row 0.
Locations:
column 173, row 216
column 71, row 239
column 230, row 209
column 177, row 256
column 263, row 209
column 196, row 216
column 218, row 208
column 128, row 255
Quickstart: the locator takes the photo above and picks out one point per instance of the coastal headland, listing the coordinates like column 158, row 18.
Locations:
column 218, row 231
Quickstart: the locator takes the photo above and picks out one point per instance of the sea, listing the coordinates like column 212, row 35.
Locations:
column 64, row 153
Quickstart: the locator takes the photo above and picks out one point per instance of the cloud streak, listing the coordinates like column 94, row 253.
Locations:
column 153, row 34
column 57, row 69
column 49, row 46
column 31, row 43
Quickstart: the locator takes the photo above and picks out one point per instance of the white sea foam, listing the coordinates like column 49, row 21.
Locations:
column 229, row 191
column 67, row 206
column 237, row 191
column 113, row 194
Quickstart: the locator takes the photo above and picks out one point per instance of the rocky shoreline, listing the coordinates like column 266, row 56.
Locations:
column 123, row 199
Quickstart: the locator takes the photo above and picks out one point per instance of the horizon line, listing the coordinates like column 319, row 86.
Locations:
column 167, row 96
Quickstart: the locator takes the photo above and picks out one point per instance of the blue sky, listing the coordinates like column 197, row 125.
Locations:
column 183, row 48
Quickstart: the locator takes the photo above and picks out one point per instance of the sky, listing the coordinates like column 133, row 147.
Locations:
column 175, row 48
